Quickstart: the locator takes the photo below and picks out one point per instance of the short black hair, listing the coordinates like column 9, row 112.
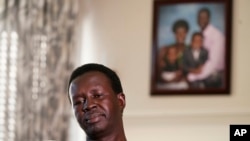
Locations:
column 112, row 76
column 206, row 10
column 180, row 23
column 197, row 34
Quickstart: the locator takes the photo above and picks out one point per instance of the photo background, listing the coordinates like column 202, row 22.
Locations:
column 187, row 11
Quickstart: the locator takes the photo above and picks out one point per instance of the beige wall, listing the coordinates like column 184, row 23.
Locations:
column 117, row 33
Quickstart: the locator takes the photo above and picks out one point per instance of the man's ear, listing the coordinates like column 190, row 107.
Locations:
column 121, row 101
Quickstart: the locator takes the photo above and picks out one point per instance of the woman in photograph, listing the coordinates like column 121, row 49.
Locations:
column 168, row 74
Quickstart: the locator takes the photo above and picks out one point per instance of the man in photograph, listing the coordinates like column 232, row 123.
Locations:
column 214, row 42
column 97, row 98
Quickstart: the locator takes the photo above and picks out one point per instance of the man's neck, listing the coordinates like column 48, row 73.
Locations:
column 204, row 28
column 120, row 138
column 115, row 136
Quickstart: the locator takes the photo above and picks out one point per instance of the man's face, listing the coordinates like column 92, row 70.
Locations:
column 203, row 19
column 97, row 108
column 180, row 35
column 197, row 42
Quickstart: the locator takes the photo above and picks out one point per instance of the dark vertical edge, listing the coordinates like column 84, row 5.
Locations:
column 228, row 55
column 154, row 48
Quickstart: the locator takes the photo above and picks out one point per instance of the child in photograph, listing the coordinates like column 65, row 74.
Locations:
column 172, row 75
column 194, row 58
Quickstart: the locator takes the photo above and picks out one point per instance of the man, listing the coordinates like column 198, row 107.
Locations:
column 214, row 42
column 97, row 98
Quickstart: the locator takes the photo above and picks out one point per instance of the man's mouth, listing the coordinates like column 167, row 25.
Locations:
column 93, row 118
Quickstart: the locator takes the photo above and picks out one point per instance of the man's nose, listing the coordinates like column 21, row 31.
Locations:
column 89, row 105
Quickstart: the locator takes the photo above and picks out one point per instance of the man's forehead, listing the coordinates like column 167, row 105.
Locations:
column 76, row 89
column 92, row 78
column 204, row 13
column 91, row 75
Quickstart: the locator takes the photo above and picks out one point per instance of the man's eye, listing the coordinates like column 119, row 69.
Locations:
column 97, row 95
column 78, row 102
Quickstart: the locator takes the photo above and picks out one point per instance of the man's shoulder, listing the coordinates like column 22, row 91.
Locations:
column 212, row 30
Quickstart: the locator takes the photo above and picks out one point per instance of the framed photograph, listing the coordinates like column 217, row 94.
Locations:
column 191, row 47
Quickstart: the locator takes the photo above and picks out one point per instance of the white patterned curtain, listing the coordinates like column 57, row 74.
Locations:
column 37, row 53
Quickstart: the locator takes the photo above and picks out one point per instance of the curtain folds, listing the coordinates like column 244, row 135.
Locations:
column 46, row 55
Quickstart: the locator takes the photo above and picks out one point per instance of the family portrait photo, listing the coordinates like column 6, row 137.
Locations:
column 190, row 48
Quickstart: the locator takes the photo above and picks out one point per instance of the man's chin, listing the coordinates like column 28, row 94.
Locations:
column 94, row 126
column 94, row 129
